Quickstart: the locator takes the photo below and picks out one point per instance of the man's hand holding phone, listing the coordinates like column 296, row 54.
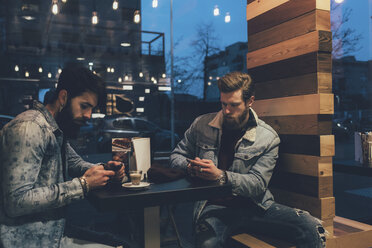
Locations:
column 203, row 168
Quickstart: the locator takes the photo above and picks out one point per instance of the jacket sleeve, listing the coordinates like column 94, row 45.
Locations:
column 75, row 164
column 255, row 183
column 186, row 148
column 22, row 150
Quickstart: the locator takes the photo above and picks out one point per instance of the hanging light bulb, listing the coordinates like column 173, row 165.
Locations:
column 227, row 17
column 137, row 16
column 108, row 69
column 27, row 74
column 112, row 70
column 64, row 1
column 152, row 78
column 40, row 69
column 115, row 5
column 216, row 11
column 155, row 81
column 154, row 3
column 59, row 70
column 94, row 18
column 140, row 74
column 120, row 80
column 16, row 68
column 126, row 78
column 163, row 75
column 55, row 7
column 209, row 83
column 49, row 75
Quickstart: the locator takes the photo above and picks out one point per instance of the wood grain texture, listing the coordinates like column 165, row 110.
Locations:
column 307, row 185
column 295, row 105
column 322, row 208
column 297, row 66
column 258, row 241
column 309, row 22
column 300, row 85
column 258, row 7
column 301, row 124
column 285, row 12
column 304, row 44
column 313, row 145
column 305, row 165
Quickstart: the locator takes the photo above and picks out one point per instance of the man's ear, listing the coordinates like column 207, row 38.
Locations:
column 62, row 98
column 250, row 101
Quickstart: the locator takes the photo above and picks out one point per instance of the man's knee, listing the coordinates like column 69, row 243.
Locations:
column 206, row 236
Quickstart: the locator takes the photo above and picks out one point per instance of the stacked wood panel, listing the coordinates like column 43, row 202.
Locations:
column 289, row 57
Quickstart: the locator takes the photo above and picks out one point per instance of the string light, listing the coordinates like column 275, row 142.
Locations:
column 112, row 70
column 59, row 70
column 163, row 75
column 115, row 5
column 120, row 80
column 108, row 69
column 40, row 69
column 155, row 81
column 140, row 74
column 49, row 75
column 126, row 78
column 137, row 16
column 94, row 18
column 227, row 17
column 55, row 7
column 64, row 1
column 27, row 74
column 16, row 68
column 209, row 83
column 154, row 3
column 216, row 11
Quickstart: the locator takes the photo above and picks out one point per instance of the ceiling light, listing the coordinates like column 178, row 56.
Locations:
column 227, row 17
column 28, row 18
column 137, row 16
column 115, row 5
column 125, row 44
column 216, row 11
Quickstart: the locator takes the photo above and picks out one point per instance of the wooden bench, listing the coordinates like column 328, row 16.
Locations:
column 347, row 233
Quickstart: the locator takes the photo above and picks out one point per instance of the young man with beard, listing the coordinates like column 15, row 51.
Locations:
column 234, row 146
column 36, row 159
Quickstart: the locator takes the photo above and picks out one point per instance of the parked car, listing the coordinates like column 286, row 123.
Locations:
column 128, row 127
column 4, row 119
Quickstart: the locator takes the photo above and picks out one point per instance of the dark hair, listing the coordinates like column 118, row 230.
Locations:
column 77, row 80
column 235, row 81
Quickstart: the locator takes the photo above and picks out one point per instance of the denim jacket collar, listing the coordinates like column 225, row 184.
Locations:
column 249, row 135
column 48, row 116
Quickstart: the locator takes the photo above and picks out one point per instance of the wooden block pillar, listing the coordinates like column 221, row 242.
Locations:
column 289, row 57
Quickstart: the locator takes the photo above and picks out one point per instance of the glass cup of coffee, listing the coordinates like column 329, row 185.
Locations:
column 135, row 177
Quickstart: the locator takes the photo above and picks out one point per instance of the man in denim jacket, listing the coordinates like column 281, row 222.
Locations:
column 36, row 159
column 236, row 147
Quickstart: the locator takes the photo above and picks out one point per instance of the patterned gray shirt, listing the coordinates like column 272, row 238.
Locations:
column 33, row 191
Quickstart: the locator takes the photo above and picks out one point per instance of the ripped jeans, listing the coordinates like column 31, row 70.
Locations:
column 217, row 223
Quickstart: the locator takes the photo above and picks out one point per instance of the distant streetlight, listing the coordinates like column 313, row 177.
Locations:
column 94, row 18
column 137, row 16
column 216, row 11
column 154, row 3
column 55, row 7
column 227, row 17
column 115, row 5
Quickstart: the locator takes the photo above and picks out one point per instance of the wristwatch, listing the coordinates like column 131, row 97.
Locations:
column 222, row 179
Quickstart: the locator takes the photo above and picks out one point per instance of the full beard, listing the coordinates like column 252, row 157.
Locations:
column 236, row 123
column 66, row 122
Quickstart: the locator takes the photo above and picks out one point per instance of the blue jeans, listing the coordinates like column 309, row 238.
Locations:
column 217, row 223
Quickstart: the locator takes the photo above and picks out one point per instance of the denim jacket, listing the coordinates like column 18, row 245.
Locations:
column 33, row 191
column 254, row 160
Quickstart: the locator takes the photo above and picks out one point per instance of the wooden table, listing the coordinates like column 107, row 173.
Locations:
column 183, row 190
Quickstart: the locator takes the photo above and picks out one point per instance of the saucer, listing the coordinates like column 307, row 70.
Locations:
column 142, row 185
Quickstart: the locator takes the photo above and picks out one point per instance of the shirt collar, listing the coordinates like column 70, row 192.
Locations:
column 48, row 116
column 251, row 126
